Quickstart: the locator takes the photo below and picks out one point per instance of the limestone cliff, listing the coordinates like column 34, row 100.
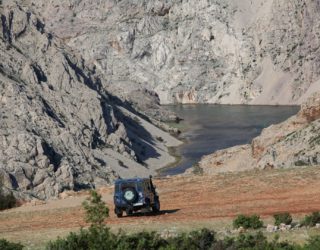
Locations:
column 60, row 128
column 195, row 51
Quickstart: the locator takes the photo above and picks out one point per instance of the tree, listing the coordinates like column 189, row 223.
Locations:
column 96, row 209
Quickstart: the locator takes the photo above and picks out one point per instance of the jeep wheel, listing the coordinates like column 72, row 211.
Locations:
column 129, row 211
column 118, row 212
column 130, row 195
column 156, row 206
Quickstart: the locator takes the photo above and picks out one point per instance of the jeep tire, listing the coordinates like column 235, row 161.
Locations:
column 118, row 212
column 129, row 211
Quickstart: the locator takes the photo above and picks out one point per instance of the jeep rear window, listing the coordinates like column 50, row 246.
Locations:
column 135, row 185
column 128, row 185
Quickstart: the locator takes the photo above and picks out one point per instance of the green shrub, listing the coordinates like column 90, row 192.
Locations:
column 96, row 209
column 6, row 200
column 202, row 239
column 197, row 170
column 252, row 222
column 284, row 218
column 6, row 245
column 313, row 243
column 92, row 238
column 252, row 241
column 142, row 240
column 101, row 238
column 96, row 238
column 259, row 241
column 311, row 220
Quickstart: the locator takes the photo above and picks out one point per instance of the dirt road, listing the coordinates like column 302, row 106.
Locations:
column 185, row 202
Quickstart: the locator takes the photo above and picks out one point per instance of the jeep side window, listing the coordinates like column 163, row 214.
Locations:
column 117, row 188
column 140, row 186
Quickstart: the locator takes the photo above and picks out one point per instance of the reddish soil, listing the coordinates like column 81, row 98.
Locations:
column 187, row 199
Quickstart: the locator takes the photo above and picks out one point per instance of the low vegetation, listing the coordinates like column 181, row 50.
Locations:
column 248, row 222
column 7, row 200
column 196, row 240
column 6, row 245
column 203, row 239
column 96, row 209
column 311, row 220
column 283, row 218
column 197, row 170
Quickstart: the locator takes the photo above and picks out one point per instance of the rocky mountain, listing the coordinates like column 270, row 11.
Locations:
column 60, row 126
column 293, row 143
column 196, row 51
column 81, row 82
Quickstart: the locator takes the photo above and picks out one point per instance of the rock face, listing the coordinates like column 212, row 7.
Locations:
column 196, row 51
column 295, row 142
column 60, row 128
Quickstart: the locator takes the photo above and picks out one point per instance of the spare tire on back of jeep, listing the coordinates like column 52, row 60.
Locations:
column 130, row 194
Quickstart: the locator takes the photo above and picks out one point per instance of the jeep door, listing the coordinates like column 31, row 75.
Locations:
column 150, row 192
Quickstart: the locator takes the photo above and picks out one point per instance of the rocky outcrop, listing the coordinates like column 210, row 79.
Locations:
column 198, row 51
column 60, row 127
column 295, row 142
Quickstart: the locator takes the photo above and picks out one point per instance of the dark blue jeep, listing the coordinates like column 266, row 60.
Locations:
column 131, row 195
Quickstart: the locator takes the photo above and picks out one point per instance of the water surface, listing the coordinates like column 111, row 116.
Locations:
column 213, row 127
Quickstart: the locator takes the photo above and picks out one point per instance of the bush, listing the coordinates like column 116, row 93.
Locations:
column 311, row 220
column 97, row 236
column 96, row 209
column 313, row 243
column 202, row 239
column 92, row 238
column 6, row 200
column 142, row 240
column 284, row 218
column 252, row 222
column 6, row 245
column 102, row 238
column 252, row 241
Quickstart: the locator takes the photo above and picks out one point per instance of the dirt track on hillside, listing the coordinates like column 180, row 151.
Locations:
column 185, row 200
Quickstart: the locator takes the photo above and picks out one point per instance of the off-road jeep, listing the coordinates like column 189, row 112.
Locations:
column 131, row 195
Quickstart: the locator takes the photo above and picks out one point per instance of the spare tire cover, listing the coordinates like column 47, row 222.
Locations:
column 130, row 194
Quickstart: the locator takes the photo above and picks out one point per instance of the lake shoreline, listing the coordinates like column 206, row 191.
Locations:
column 211, row 127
